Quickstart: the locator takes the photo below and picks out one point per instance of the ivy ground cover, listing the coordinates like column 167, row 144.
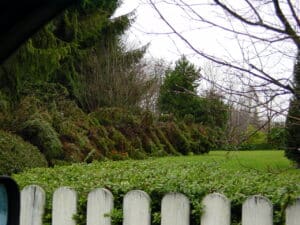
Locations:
column 234, row 174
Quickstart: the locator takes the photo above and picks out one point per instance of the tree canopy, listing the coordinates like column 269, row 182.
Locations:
column 178, row 96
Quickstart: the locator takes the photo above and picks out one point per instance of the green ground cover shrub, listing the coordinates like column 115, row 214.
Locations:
column 17, row 155
column 41, row 134
column 234, row 174
column 115, row 116
column 65, row 134
column 177, row 138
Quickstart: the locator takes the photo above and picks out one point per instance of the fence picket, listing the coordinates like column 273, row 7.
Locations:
column 216, row 210
column 175, row 209
column 293, row 213
column 32, row 205
column 257, row 210
column 100, row 202
column 64, row 206
column 136, row 208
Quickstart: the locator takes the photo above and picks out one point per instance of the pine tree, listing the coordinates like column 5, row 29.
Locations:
column 78, row 49
column 178, row 92
column 292, row 150
column 178, row 96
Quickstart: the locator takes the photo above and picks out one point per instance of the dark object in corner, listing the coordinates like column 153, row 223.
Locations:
column 19, row 19
column 9, row 201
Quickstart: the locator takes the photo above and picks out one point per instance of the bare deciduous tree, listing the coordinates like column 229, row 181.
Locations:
column 267, row 34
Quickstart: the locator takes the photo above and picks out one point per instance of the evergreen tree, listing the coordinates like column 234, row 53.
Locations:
column 292, row 150
column 178, row 95
column 178, row 92
column 215, row 111
column 78, row 49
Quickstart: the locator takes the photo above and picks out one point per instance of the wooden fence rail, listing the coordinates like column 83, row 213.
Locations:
column 175, row 208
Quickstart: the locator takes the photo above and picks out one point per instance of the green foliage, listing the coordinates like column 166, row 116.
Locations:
column 115, row 116
column 178, row 92
column 177, row 138
column 154, row 138
column 116, row 216
column 202, row 139
column 178, row 95
column 5, row 109
column 72, row 50
column 121, row 144
column 256, row 139
column 4, row 103
column 214, row 111
column 277, row 137
column 65, row 134
column 236, row 175
column 41, row 134
column 16, row 155
column 292, row 150
column 77, row 64
column 45, row 91
column 293, row 133
column 169, row 148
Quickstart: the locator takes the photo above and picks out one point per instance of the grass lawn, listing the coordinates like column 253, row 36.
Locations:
column 240, row 160
column 234, row 174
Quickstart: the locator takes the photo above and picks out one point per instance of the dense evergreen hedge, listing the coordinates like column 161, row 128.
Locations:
column 64, row 133
column 292, row 150
column 17, row 155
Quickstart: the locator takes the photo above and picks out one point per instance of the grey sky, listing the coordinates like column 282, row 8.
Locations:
column 149, row 28
column 277, row 59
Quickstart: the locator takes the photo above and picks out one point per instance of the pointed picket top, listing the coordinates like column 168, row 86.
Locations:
column 136, row 208
column 100, row 204
column 293, row 213
column 33, row 200
column 64, row 206
column 216, row 210
column 257, row 210
column 175, row 209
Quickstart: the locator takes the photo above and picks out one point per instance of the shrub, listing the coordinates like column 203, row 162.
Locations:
column 201, row 140
column 46, row 92
column 137, row 153
column 193, row 176
column 292, row 150
column 147, row 118
column 41, row 134
column 114, row 116
column 189, row 118
column 177, row 138
column 166, row 118
column 121, row 144
column 99, row 137
column 5, row 114
column 169, row 148
column 17, row 155
column 277, row 137
column 257, row 139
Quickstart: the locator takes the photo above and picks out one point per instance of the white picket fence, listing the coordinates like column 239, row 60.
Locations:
column 175, row 208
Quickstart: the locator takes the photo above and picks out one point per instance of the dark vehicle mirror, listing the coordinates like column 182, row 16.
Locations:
column 9, row 202
column 20, row 19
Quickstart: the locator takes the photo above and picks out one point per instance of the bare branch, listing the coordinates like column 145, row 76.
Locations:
column 296, row 18
column 244, row 20
column 288, row 28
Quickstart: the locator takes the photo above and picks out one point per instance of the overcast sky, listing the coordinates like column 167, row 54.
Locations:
column 149, row 28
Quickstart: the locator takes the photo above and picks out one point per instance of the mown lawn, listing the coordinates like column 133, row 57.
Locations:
column 235, row 174
column 240, row 160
